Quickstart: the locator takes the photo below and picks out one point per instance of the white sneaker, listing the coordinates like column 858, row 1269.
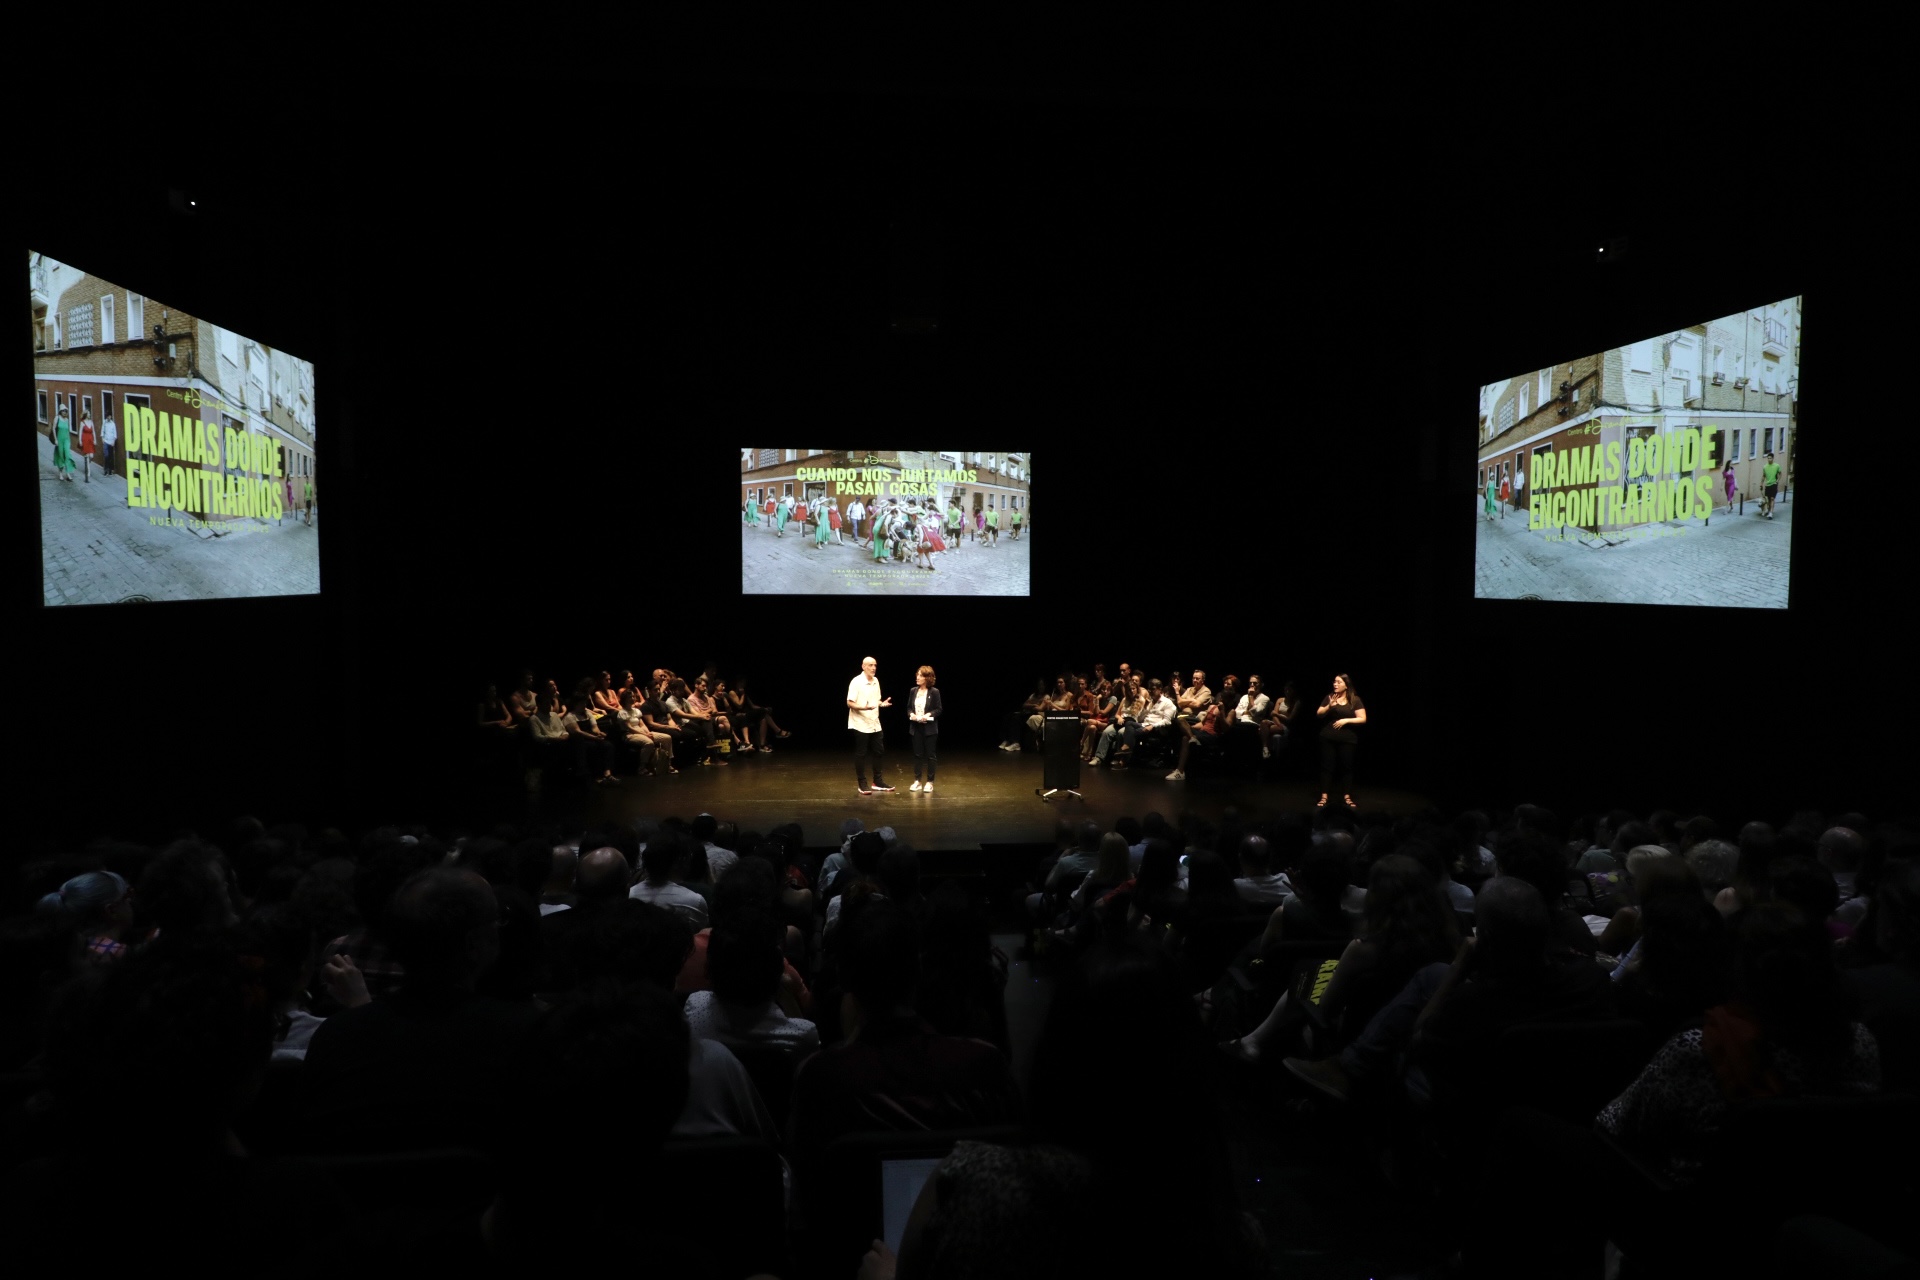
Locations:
column 915, row 786
column 1266, row 753
column 1176, row 776
column 928, row 787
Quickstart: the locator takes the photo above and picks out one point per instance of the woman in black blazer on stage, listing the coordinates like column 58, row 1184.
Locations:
column 923, row 719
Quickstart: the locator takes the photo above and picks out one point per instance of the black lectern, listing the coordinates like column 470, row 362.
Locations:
column 1062, row 747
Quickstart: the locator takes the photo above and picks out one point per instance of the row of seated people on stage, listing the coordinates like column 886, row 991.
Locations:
column 612, row 724
column 214, row 1019
column 1129, row 717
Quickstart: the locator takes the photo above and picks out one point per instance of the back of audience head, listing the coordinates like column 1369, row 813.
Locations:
column 666, row 856
column 562, row 866
column 879, row 954
column 1785, row 974
column 1534, row 819
column 1808, row 886
column 92, row 899
column 282, row 940
column 696, row 869
column 1640, row 858
column 744, row 962
column 1159, row 869
column 385, row 867
column 1087, row 837
column 493, row 861
column 1512, row 926
column 1632, row 835
column 604, row 876
column 703, row 828
column 750, row 884
column 1683, row 940
column 1538, row 860
column 1890, row 932
column 186, row 890
column 1320, row 879
column 1714, row 862
column 1698, row 828
column 1256, row 855
column 865, row 853
column 1842, row 848
column 1405, row 903
column 1210, row 883
column 443, row 927
column 899, row 875
column 1115, row 862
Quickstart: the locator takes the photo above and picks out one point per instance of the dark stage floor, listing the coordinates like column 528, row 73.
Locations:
column 984, row 797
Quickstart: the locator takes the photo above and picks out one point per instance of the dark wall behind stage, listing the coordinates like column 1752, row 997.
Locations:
column 1244, row 356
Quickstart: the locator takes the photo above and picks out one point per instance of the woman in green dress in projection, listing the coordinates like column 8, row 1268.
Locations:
column 63, row 445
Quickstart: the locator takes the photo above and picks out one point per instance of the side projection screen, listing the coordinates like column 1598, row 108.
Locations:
column 177, row 459
column 885, row 522
column 1657, row 472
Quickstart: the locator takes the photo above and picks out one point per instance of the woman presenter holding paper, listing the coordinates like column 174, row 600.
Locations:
column 923, row 719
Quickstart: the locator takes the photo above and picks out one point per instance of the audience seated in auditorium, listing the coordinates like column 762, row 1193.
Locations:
column 892, row 1070
column 1408, row 926
column 1882, row 978
column 1787, row 1032
column 460, row 979
column 427, row 1064
column 1072, row 866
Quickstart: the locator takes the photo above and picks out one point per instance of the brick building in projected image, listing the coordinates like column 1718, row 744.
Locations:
column 99, row 349
column 1002, row 480
column 1734, row 379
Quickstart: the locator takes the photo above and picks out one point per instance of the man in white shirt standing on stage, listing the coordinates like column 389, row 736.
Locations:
column 863, row 719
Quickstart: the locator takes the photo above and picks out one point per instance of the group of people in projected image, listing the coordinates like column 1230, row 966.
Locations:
column 64, row 444
column 616, row 724
column 1132, row 718
column 892, row 530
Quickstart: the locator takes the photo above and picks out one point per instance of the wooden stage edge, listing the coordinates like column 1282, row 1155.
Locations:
column 981, row 798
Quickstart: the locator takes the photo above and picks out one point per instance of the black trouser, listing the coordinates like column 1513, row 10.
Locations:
column 1336, row 759
column 926, row 746
column 863, row 745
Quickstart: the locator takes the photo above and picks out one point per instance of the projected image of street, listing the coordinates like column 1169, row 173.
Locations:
column 1656, row 472
column 885, row 522
column 176, row 457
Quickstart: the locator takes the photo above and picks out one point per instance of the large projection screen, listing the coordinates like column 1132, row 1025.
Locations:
column 1659, row 471
column 885, row 522
column 177, row 458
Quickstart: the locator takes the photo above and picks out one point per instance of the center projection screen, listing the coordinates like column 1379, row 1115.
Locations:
column 1656, row 472
column 885, row 522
